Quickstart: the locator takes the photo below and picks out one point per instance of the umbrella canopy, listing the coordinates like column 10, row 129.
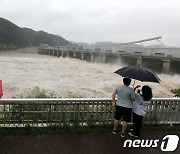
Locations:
column 138, row 73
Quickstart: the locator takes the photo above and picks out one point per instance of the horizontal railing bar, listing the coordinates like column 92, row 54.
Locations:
column 57, row 100
column 76, row 100
column 71, row 101
column 13, row 112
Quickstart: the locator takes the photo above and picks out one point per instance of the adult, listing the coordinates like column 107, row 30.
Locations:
column 123, row 111
column 140, row 107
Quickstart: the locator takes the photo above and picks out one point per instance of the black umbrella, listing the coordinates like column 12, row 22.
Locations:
column 138, row 73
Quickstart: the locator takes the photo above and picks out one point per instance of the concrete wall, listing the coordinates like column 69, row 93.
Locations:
column 157, row 64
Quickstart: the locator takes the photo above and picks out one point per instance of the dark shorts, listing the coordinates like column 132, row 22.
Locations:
column 122, row 113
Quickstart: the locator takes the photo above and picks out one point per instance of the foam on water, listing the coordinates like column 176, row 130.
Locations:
column 22, row 72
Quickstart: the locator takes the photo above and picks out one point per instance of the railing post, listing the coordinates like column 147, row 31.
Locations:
column 78, row 113
column 49, row 114
column 20, row 113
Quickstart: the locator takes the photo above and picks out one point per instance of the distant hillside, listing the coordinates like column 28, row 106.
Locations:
column 12, row 35
column 108, row 45
column 160, row 46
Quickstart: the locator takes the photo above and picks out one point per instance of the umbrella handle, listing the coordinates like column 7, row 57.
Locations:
column 134, row 83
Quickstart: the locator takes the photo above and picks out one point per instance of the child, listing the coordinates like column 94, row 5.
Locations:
column 140, row 107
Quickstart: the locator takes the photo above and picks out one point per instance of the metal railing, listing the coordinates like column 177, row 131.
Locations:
column 84, row 111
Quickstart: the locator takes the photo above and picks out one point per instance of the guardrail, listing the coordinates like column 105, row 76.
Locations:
column 84, row 111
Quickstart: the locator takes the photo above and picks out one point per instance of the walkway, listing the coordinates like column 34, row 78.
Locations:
column 78, row 144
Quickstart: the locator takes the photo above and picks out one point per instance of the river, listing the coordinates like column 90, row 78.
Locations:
column 66, row 77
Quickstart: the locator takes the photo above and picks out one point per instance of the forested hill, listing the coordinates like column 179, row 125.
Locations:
column 13, row 35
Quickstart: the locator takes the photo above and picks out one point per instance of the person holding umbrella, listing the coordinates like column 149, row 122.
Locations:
column 136, row 73
column 140, row 107
column 123, row 111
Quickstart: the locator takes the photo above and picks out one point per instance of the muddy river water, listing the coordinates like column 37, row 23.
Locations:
column 66, row 77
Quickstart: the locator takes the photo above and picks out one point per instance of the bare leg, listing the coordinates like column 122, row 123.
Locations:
column 116, row 123
column 124, row 126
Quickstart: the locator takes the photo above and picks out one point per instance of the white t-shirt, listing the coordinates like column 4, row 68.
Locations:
column 140, row 106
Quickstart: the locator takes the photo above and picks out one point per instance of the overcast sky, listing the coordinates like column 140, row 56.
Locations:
column 93, row 21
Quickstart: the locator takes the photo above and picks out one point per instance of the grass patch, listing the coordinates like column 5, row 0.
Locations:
column 76, row 129
column 159, row 127
column 55, row 130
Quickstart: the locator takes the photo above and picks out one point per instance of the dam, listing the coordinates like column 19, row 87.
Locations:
column 158, row 62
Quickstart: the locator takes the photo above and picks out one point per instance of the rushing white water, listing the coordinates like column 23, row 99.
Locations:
column 67, row 77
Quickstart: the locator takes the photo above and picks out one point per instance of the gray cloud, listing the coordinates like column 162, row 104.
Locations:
column 98, row 20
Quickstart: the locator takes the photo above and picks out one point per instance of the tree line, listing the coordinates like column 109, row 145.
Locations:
column 13, row 36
